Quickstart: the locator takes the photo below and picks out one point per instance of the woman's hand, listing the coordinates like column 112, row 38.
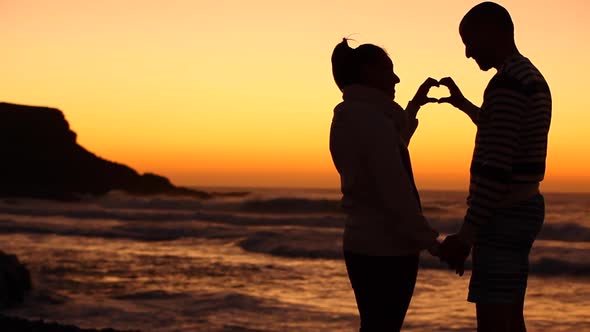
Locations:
column 421, row 98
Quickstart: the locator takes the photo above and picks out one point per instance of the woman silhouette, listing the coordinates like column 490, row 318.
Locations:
column 385, row 229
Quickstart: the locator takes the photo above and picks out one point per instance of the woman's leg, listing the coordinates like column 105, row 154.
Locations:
column 517, row 323
column 383, row 288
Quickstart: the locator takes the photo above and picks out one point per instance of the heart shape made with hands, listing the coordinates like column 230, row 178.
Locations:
column 438, row 92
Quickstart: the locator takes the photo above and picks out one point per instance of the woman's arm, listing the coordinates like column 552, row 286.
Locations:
column 394, row 185
column 420, row 99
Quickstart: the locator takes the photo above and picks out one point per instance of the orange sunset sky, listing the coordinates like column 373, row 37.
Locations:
column 240, row 93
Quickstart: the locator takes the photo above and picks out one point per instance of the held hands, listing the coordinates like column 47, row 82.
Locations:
column 434, row 250
column 454, row 252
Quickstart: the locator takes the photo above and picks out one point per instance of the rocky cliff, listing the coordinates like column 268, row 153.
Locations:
column 40, row 158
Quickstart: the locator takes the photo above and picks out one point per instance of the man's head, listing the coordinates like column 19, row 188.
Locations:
column 488, row 34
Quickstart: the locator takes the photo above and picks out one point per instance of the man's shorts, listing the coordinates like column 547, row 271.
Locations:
column 501, row 252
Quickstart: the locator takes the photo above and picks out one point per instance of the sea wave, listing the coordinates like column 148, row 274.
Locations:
column 152, row 295
column 291, row 205
column 278, row 226
column 565, row 232
column 553, row 258
column 247, row 212
column 551, row 266
column 325, row 245
column 139, row 231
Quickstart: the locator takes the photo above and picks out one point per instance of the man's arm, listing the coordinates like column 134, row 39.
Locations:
column 471, row 110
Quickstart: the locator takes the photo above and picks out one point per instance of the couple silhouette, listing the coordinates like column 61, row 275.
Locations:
column 385, row 228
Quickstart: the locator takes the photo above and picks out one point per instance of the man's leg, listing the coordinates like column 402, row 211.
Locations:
column 501, row 265
column 493, row 317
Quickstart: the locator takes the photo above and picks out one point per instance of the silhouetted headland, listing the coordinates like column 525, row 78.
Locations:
column 41, row 159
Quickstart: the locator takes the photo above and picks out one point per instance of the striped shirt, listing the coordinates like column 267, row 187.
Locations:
column 511, row 141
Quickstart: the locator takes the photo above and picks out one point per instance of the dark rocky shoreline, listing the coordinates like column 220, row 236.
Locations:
column 15, row 283
column 15, row 324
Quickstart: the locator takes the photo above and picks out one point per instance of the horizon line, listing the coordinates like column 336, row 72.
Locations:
column 337, row 188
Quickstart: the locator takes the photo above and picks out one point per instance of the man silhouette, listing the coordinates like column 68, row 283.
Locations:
column 505, row 208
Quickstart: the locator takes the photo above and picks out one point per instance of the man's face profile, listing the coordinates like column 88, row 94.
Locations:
column 478, row 46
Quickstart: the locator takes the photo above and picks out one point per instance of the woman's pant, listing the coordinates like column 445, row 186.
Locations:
column 383, row 287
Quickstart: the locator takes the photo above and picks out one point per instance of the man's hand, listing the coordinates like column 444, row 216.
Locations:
column 456, row 98
column 454, row 252
column 421, row 98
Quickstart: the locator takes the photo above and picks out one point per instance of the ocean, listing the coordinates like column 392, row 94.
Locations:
column 259, row 260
